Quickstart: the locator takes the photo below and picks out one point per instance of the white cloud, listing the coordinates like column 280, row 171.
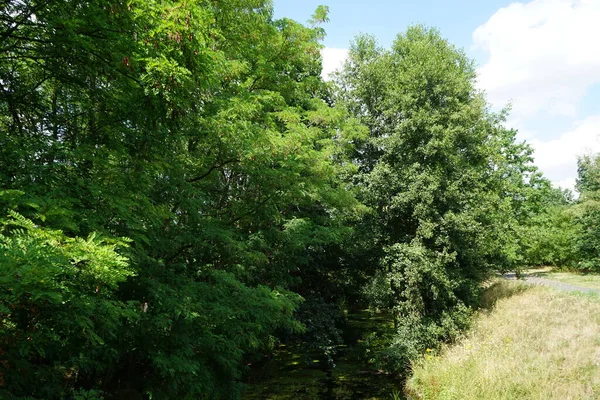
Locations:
column 543, row 58
column 542, row 55
column 567, row 184
column 522, row 132
column 333, row 59
column 558, row 158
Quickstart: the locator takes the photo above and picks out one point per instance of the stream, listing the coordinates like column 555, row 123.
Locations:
column 293, row 374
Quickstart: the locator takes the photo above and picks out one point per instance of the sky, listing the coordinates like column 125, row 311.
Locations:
column 540, row 56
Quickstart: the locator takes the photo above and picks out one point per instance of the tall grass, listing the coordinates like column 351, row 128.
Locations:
column 535, row 343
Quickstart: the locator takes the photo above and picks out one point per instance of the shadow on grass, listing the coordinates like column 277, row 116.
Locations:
column 500, row 289
column 541, row 274
column 574, row 272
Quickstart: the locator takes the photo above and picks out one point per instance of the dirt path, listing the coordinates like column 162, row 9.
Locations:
column 565, row 287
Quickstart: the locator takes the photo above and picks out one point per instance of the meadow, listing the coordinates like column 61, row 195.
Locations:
column 530, row 343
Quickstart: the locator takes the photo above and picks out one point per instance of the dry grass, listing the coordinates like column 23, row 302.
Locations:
column 536, row 343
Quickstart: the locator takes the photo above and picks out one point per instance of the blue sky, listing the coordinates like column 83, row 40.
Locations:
column 456, row 19
column 540, row 55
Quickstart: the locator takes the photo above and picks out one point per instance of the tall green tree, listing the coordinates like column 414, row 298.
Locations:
column 197, row 131
column 442, row 177
column 587, row 215
column 546, row 225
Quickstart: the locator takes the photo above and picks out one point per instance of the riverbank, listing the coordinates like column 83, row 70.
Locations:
column 535, row 343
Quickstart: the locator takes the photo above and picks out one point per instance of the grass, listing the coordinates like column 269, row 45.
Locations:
column 588, row 281
column 533, row 343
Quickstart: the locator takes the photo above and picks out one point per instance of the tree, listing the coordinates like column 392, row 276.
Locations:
column 442, row 177
column 197, row 131
column 546, row 227
column 587, row 214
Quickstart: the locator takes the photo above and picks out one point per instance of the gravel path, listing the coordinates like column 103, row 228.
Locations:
column 565, row 287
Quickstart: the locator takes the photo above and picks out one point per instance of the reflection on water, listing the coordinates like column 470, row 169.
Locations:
column 292, row 374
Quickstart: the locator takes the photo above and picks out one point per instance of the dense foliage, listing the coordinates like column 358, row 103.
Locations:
column 196, row 130
column 586, row 216
column 443, row 179
column 180, row 189
column 564, row 231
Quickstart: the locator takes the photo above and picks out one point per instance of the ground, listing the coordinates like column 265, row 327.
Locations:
column 580, row 280
column 534, row 342
column 536, row 338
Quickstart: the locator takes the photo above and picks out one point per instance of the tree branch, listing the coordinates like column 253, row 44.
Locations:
column 214, row 167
